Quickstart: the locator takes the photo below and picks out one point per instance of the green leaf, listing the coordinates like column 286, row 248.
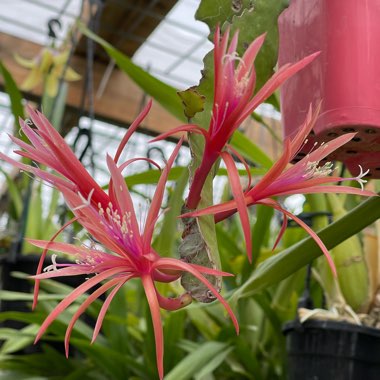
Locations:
column 194, row 363
column 213, row 364
column 14, row 94
column 295, row 257
column 174, row 331
column 19, row 340
column 110, row 361
column 163, row 93
column 15, row 194
column 214, row 12
column 7, row 295
column 203, row 321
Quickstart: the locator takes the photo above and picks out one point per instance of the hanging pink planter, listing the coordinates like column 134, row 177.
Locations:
column 346, row 75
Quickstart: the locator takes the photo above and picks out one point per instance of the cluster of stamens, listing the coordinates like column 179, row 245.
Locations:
column 117, row 222
column 313, row 170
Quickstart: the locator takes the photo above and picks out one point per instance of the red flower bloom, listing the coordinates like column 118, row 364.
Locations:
column 234, row 101
column 111, row 221
column 305, row 177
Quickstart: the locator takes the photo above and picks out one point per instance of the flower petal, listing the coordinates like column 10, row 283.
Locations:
column 155, row 206
column 192, row 128
column 237, row 191
column 105, row 306
column 89, row 300
column 274, row 204
column 273, row 83
column 66, row 302
column 177, row 264
column 157, row 324
column 132, row 129
column 42, row 259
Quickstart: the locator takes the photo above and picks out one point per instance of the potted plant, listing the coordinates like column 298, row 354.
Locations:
column 344, row 76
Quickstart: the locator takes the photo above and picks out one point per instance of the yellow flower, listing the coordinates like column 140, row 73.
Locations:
column 47, row 67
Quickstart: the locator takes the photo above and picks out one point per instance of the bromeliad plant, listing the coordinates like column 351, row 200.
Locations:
column 120, row 249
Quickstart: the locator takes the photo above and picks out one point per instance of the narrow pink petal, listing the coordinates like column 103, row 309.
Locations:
column 42, row 259
column 219, row 53
column 32, row 135
column 69, row 271
column 182, row 128
column 90, row 299
column 132, row 129
column 282, row 231
column 173, row 304
column 18, row 164
column 330, row 189
column 157, row 324
column 119, row 189
column 176, row 264
column 36, row 154
column 249, row 57
column 73, row 296
column 164, row 277
column 304, row 129
column 273, row 173
column 244, row 162
column 105, row 306
column 132, row 160
column 233, row 44
column 155, row 206
column 325, row 149
column 273, row 83
column 224, row 207
column 96, row 225
column 59, row 247
column 237, row 191
column 169, row 263
column 272, row 203
column 75, row 171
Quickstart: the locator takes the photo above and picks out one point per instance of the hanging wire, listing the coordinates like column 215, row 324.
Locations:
column 96, row 8
column 73, row 44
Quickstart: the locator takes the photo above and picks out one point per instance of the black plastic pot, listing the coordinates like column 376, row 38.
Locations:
column 329, row 350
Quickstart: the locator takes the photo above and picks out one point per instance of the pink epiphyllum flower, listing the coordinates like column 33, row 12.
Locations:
column 234, row 100
column 305, row 177
column 111, row 221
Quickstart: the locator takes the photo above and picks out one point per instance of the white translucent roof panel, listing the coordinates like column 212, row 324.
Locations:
column 28, row 19
column 173, row 52
column 184, row 39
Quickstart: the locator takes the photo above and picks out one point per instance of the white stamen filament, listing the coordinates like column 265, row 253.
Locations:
column 360, row 176
column 312, row 169
column 86, row 202
column 52, row 267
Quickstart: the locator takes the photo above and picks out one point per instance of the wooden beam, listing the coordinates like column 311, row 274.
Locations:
column 119, row 103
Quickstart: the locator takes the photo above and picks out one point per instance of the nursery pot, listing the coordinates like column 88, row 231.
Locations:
column 330, row 350
column 345, row 76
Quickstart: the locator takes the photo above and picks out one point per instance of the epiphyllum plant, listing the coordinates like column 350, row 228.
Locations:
column 305, row 177
column 234, row 101
column 111, row 221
